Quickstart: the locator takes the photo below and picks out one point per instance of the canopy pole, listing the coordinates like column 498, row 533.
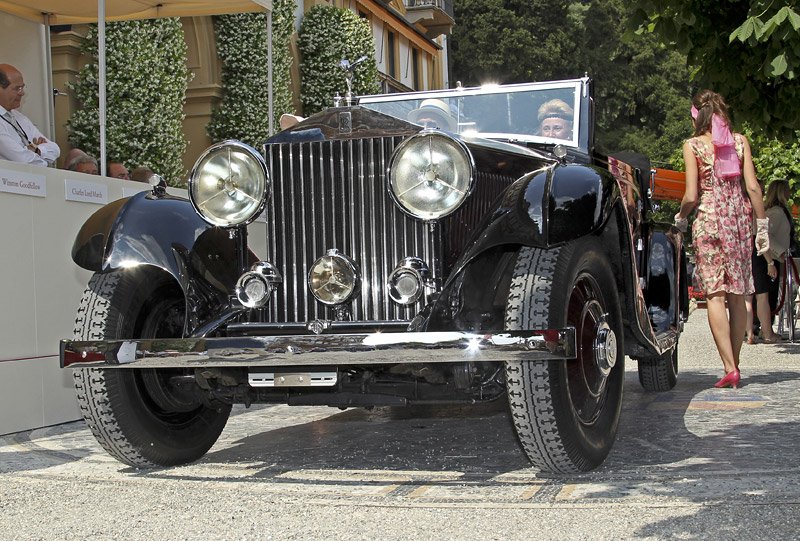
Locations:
column 269, row 74
column 101, row 80
column 49, row 90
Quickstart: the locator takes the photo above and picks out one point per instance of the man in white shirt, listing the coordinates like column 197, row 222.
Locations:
column 20, row 140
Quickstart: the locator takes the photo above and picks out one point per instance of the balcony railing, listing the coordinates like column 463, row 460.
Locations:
column 436, row 16
column 444, row 5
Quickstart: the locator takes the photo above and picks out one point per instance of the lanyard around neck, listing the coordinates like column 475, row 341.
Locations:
column 17, row 127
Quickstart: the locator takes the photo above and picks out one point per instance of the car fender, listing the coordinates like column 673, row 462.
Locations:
column 545, row 208
column 165, row 232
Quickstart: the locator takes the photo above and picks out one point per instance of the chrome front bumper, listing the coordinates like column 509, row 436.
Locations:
column 321, row 350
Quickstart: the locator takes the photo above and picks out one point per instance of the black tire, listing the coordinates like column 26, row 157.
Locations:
column 659, row 374
column 138, row 416
column 566, row 413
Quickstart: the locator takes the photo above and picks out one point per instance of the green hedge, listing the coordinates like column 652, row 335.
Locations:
column 328, row 35
column 243, row 113
column 146, row 78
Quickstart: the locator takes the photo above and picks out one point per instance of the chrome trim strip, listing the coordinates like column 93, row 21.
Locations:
column 322, row 350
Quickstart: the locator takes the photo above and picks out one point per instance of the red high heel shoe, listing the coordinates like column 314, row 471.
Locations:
column 731, row 379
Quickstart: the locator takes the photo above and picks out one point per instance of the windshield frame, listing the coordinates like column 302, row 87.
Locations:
column 580, row 108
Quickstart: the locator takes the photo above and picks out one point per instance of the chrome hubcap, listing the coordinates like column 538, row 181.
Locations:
column 605, row 347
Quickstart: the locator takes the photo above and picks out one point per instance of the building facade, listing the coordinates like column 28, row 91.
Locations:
column 410, row 51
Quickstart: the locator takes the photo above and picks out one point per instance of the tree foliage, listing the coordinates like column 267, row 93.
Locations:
column 511, row 41
column 775, row 159
column 641, row 87
column 243, row 112
column 747, row 50
column 145, row 91
column 328, row 35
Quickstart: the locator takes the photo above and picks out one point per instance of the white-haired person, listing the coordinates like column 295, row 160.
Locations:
column 434, row 113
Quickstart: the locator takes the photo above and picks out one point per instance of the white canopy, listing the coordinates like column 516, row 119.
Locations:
column 86, row 11
column 52, row 12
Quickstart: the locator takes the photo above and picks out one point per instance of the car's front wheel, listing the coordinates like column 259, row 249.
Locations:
column 566, row 412
column 142, row 417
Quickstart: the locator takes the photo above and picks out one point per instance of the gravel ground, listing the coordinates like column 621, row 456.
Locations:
column 693, row 463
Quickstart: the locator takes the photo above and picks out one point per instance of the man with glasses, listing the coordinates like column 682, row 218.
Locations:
column 20, row 140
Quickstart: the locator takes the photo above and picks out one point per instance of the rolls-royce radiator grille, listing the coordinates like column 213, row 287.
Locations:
column 333, row 194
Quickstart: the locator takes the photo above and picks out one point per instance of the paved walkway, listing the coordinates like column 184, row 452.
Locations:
column 694, row 463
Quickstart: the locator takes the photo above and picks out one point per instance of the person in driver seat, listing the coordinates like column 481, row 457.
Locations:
column 555, row 119
column 433, row 113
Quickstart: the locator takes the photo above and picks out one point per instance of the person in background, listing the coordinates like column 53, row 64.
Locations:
column 288, row 120
column 716, row 160
column 84, row 163
column 20, row 140
column 433, row 113
column 750, row 325
column 71, row 155
column 767, row 267
column 753, row 325
column 142, row 174
column 117, row 170
column 555, row 119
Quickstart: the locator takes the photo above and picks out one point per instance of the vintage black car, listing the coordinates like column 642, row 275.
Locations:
column 466, row 257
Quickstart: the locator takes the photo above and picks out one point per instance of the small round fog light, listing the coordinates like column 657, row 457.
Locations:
column 406, row 283
column 254, row 288
column 333, row 278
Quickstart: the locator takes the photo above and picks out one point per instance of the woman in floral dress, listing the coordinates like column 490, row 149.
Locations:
column 716, row 160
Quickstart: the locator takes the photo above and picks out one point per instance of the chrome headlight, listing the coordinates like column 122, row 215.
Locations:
column 333, row 278
column 229, row 184
column 431, row 174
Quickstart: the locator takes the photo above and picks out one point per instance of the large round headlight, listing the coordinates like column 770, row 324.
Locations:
column 229, row 184
column 333, row 278
column 431, row 174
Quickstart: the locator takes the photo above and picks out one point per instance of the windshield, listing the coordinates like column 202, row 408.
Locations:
column 536, row 112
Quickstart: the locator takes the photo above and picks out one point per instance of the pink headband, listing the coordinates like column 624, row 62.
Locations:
column 726, row 161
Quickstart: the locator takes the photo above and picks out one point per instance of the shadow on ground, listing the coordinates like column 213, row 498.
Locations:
column 690, row 430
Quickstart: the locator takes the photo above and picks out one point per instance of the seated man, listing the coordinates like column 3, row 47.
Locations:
column 84, row 163
column 142, row 174
column 20, row 140
column 555, row 119
column 117, row 170
column 433, row 113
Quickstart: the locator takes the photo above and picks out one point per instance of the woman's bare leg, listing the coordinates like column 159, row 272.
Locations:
column 721, row 328
column 737, row 314
column 748, row 306
column 764, row 316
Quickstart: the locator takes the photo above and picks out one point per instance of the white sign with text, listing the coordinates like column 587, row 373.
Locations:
column 87, row 192
column 22, row 183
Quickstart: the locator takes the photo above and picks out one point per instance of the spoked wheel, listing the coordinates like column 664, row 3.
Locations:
column 144, row 418
column 566, row 412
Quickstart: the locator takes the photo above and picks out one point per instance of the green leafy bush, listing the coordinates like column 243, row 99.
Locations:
column 778, row 159
column 243, row 113
column 327, row 36
column 146, row 78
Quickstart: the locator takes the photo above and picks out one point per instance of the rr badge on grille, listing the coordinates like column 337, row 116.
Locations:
column 318, row 326
column 345, row 122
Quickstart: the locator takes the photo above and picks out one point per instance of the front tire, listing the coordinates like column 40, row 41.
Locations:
column 566, row 413
column 140, row 416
